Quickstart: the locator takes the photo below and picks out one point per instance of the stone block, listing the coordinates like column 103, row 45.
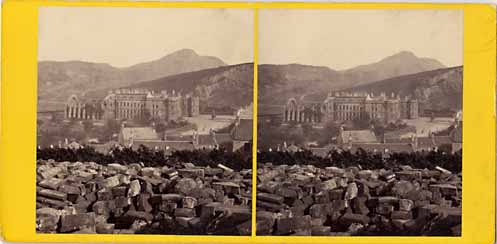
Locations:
column 142, row 203
column 57, row 195
column 112, row 181
column 74, row 222
column 47, row 220
column 192, row 173
column 274, row 198
column 51, row 183
column 134, row 188
column 185, row 186
column 189, row 202
column 401, row 215
column 351, row 191
column 406, row 204
column 350, row 218
column 139, row 215
column 184, row 212
column 384, row 209
column 104, row 228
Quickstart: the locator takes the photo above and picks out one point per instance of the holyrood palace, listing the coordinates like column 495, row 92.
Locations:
column 351, row 106
column 132, row 104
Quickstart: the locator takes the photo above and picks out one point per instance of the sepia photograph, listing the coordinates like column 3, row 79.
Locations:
column 359, row 122
column 144, row 121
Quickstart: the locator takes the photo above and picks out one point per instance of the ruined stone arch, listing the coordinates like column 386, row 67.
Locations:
column 72, row 107
column 292, row 110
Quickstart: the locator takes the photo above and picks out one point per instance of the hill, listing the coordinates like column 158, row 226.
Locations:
column 58, row 80
column 227, row 86
column 402, row 63
column 279, row 82
column 185, row 60
column 437, row 89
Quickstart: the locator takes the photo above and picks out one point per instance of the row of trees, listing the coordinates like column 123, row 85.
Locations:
column 241, row 160
column 149, row 157
column 366, row 160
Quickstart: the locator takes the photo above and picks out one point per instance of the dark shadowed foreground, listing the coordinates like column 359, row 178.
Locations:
column 363, row 194
column 160, row 197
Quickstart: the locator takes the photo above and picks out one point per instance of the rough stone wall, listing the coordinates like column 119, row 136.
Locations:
column 126, row 199
column 305, row 200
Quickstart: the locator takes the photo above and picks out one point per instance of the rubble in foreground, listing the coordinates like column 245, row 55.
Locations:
column 306, row 200
column 76, row 197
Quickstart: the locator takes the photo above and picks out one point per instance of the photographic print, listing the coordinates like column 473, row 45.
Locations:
column 144, row 121
column 360, row 122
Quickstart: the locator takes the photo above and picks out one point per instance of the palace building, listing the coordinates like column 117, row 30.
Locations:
column 134, row 103
column 351, row 106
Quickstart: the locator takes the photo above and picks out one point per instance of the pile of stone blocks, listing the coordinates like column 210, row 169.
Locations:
column 86, row 197
column 306, row 200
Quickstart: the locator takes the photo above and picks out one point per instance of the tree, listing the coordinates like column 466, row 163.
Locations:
column 330, row 130
column 362, row 122
column 111, row 127
column 55, row 119
column 87, row 126
column 143, row 119
column 160, row 128
column 306, row 128
column 213, row 114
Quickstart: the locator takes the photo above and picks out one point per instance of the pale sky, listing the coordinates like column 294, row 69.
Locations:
column 126, row 36
column 342, row 39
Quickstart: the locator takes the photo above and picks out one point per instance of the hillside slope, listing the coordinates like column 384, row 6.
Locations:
column 402, row 63
column 58, row 80
column 277, row 83
column 438, row 89
column 227, row 86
